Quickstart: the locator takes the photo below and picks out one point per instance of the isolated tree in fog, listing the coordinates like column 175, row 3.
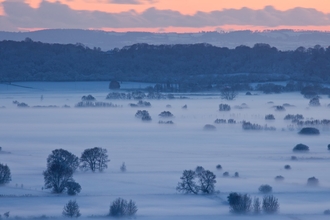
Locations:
column 63, row 157
column 228, row 93
column 71, row 210
column 5, row 175
column 94, row 159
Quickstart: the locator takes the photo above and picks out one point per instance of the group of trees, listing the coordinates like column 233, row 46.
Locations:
column 243, row 204
column 118, row 208
column 61, row 165
column 191, row 67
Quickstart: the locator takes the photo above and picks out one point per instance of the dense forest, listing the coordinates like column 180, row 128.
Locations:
column 191, row 63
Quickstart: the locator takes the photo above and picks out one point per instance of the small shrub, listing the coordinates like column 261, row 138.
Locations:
column 279, row 178
column 166, row 114
column 287, row 167
column 220, row 121
column 328, row 146
column 270, row 204
column 224, row 107
column 209, row 127
column 269, row 117
column 300, row 148
column 236, row 174
column 123, row 167
column 231, row 121
column 71, row 209
column 294, row 158
column 225, row 174
column 248, row 93
column 309, row 131
column 327, row 212
column 312, row 181
column 265, row 189
column 279, row 108
column 219, row 167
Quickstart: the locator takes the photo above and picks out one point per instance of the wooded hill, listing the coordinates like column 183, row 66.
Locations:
column 192, row 63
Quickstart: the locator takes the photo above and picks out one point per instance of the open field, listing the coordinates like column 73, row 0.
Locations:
column 156, row 154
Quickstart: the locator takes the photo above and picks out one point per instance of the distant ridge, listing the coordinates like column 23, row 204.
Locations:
column 281, row 39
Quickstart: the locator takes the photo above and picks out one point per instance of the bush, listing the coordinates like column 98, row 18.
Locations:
column 279, row 178
column 114, row 84
column 220, row 121
column 265, row 189
column 309, row 131
column 166, row 114
column 219, row 167
column 224, row 107
column 123, row 167
column 240, row 203
column 120, row 207
column 209, row 127
column 287, row 167
column 327, row 212
column 314, row 102
column 270, row 204
column 312, row 181
column 279, row 108
column 328, row 146
column 5, row 175
column 88, row 98
column 269, row 117
column 231, row 121
column 71, row 209
column 294, row 117
column 300, row 148
column 225, row 174
column 94, row 159
column 236, row 174
column 294, row 158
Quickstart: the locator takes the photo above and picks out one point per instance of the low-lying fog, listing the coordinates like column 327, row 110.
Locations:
column 156, row 154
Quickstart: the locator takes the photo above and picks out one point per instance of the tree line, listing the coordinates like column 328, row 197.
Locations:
column 202, row 64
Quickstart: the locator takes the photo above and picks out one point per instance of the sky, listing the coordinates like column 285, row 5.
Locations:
column 165, row 15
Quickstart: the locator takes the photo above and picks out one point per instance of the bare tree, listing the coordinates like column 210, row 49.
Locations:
column 228, row 93
column 207, row 181
column 94, row 159
column 188, row 185
column 270, row 204
column 5, row 175
column 71, row 209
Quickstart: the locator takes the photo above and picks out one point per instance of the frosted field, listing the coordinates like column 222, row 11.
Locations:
column 155, row 155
